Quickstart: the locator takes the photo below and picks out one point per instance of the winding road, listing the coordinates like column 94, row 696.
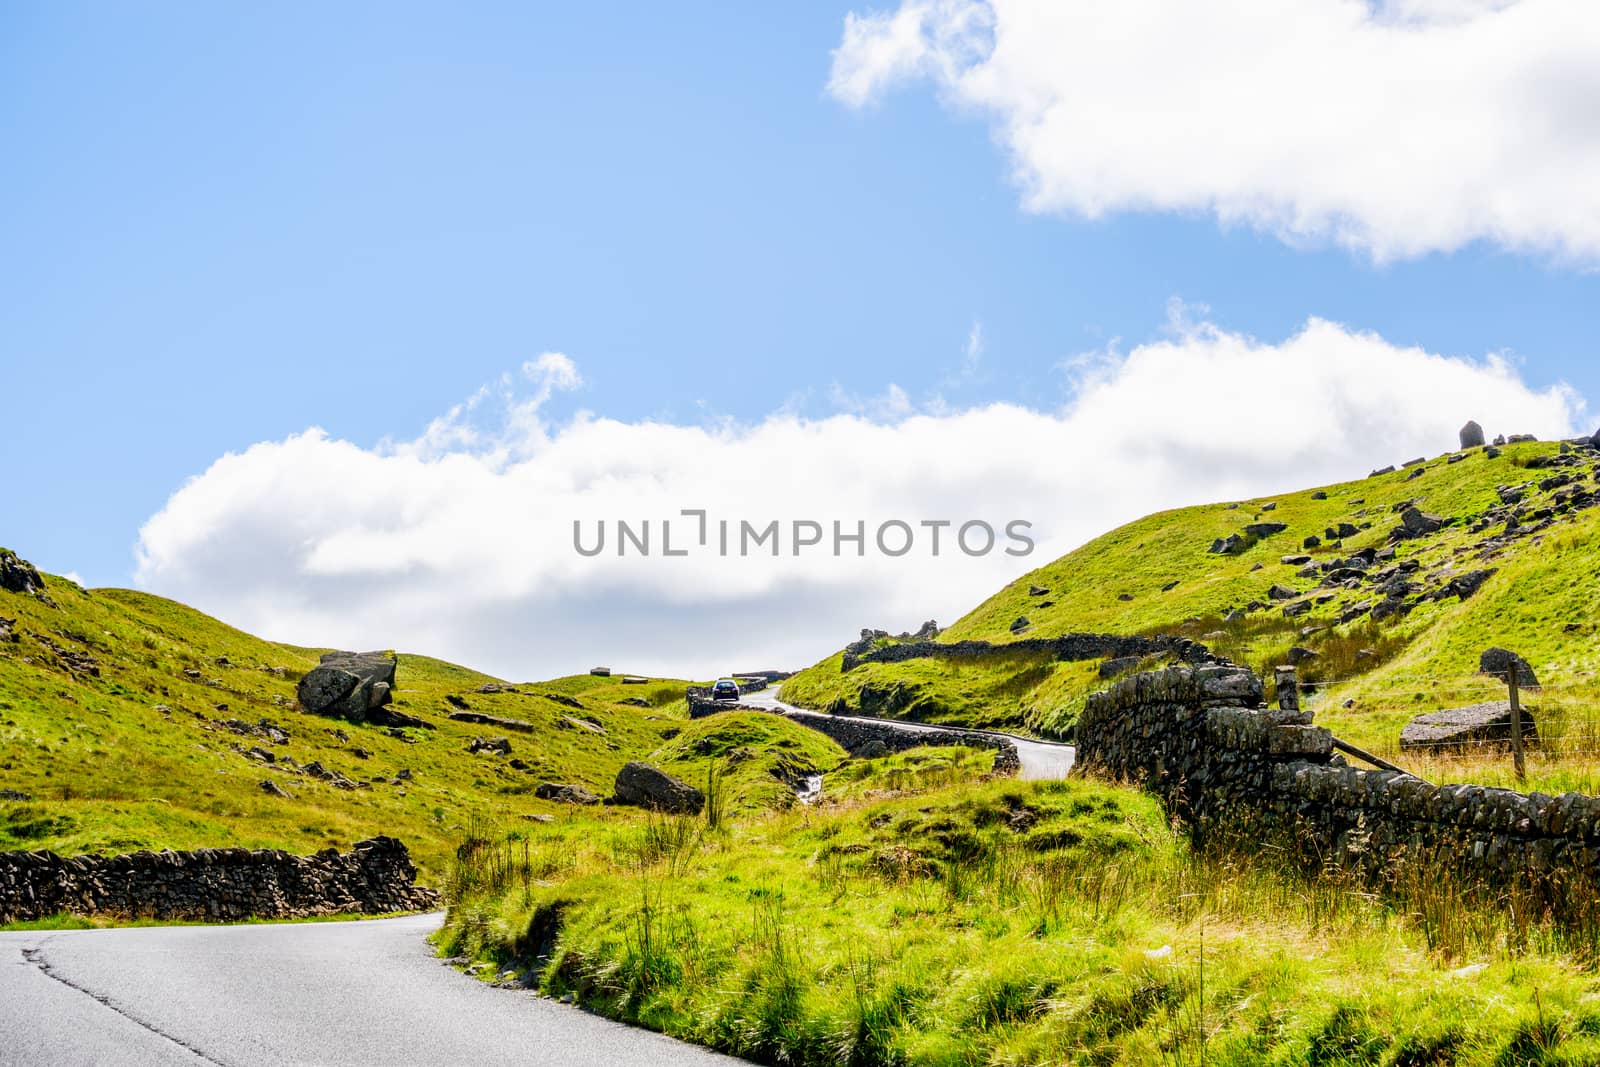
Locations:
column 292, row 993
column 316, row 993
column 1040, row 759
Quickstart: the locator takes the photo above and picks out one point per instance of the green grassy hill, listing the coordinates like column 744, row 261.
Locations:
column 1159, row 575
column 128, row 721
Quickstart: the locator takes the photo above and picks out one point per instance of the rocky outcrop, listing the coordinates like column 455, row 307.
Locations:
column 1472, row 435
column 1461, row 729
column 647, row 786
column 213, row 884
column 17, row 575
column 357, row 687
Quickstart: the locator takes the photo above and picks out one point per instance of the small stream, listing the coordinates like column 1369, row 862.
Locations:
column 810, row 791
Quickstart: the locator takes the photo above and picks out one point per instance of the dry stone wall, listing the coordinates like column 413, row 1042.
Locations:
column 1201, row 738
column 213, row 884
column 1065, row 647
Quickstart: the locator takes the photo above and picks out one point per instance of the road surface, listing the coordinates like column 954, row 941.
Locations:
column 309, row 993
column 1040, row 759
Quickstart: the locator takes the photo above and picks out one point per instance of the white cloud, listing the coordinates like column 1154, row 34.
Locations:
column 464, row 550
column 1398, row 129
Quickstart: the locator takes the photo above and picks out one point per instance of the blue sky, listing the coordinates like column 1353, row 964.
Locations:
column 223, row 226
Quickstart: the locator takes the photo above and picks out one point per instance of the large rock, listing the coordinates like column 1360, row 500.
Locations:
column 349, row 685
column 1471, row 435
column 1465, row 728
column 1500, row 662
column 18, row 575
column 646, row 786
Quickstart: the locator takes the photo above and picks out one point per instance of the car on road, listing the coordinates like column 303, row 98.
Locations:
column 725, row 689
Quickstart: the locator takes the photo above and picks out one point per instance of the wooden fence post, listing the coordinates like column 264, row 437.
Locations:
column 1516, row 725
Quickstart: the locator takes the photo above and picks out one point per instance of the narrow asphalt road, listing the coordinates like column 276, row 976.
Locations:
column 1040, row 759
column 311, row 993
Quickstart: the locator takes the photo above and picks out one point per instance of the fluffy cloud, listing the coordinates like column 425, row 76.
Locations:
column 460, row 543
column 1397, row 128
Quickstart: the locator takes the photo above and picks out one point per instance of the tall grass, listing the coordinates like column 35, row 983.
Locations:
column 940, row 927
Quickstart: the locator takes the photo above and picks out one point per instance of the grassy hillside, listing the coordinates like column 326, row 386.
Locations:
column 1158, row 575
column 127, row 721
column 923, row 914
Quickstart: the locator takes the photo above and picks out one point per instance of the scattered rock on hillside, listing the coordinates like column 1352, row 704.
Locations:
column 1319, row 495
column 495, row 746
column 1464, row 585
column 600, row 672
column 495, row 687
column 349, row 685
column 1500, row 662
column 17, row 575
column 1281, row 592
column 928, row 630
column 1471, row 435
column 1312, row 541
column 1224, row 546
column 1037, row 590
column 273, row 789
column 1265, row 529
column 8, row 632
column 563, row 793
column 1414, row 522
column 1460, row 728
column 1020, row 623
column 564, row 700
column 646, row 786
column 1382, row 470
column 567, row 722
column 1299, row 654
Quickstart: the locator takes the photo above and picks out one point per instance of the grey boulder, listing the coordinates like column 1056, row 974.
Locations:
column 1501, row 662
column 17, row 575
column 349, row 685
column 1471, row 435
column 563, row 793
column 1464, row 728
column 646, row 786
